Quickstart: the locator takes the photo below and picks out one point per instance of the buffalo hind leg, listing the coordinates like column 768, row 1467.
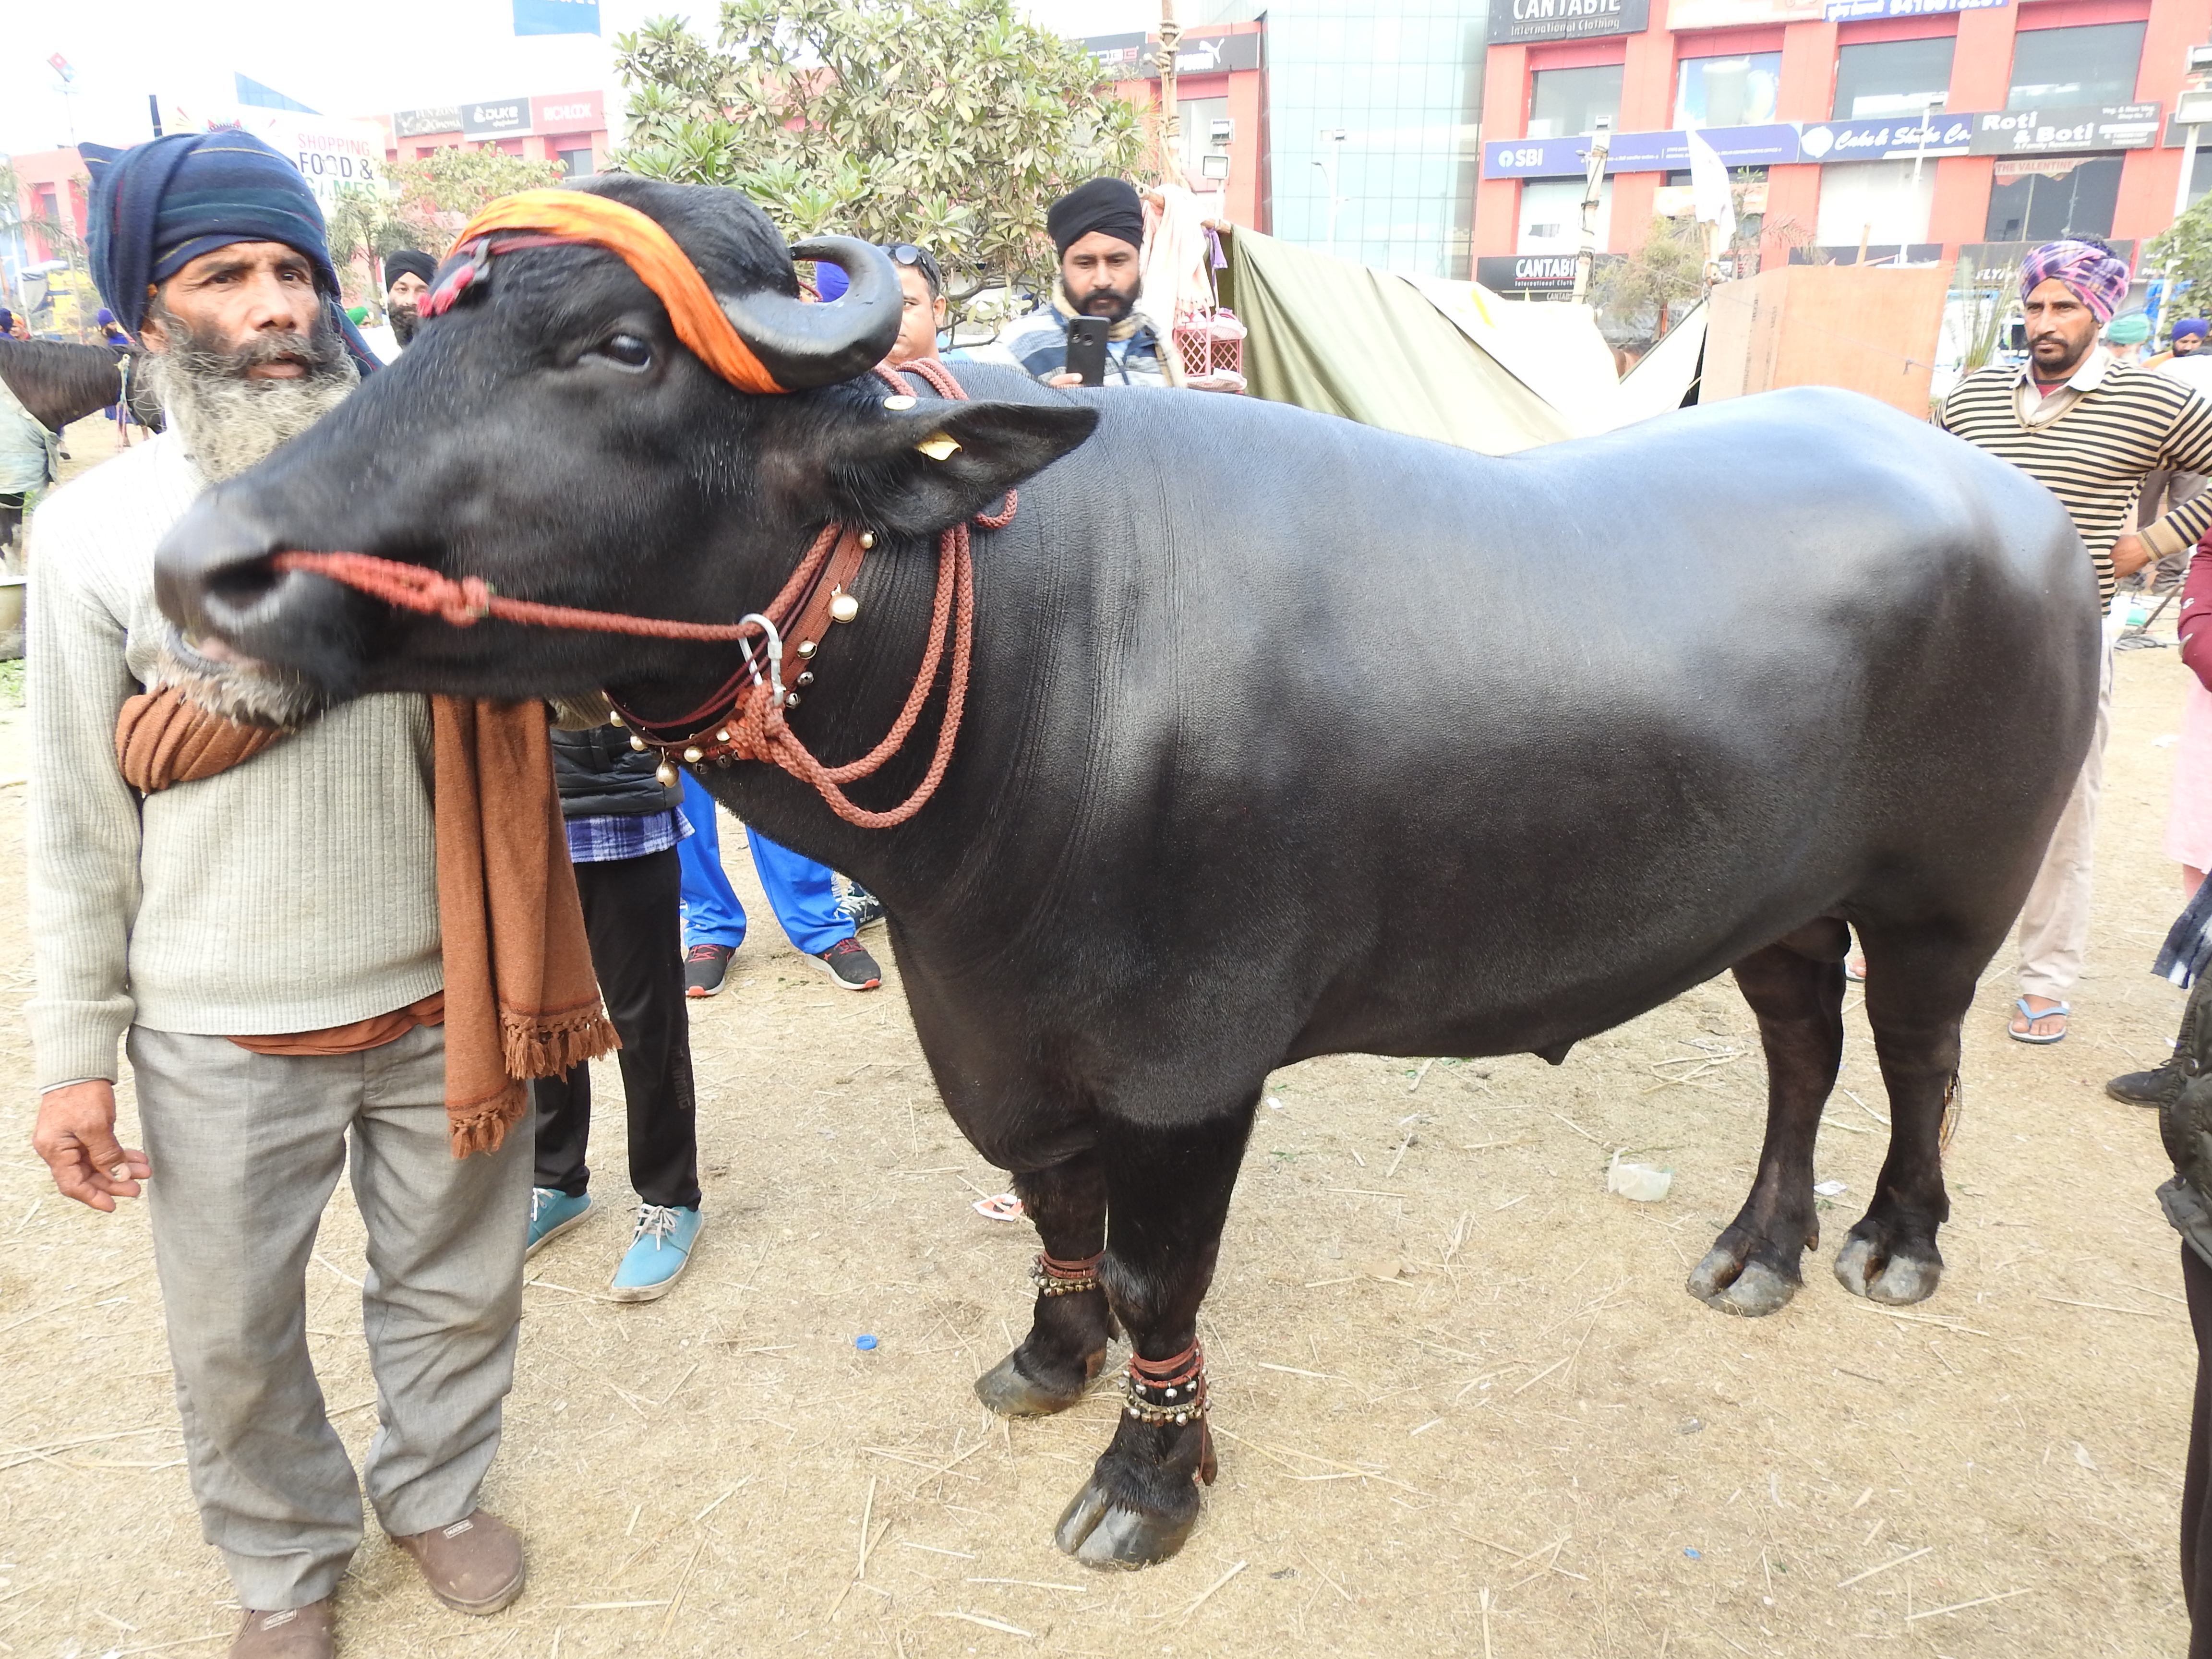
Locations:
column 1795, row 987
column 1914, row 1001
column 1069, row 1330
column 1167, row 1196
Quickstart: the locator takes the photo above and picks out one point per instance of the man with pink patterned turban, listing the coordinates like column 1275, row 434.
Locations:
column 2088, row 428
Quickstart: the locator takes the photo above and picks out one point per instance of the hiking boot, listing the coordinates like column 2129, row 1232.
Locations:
column 552, row 1212
column 473, row 1566
column 660, row 1251
column 705, row 968
column 849, row 964
column 2158, row 1088
column 288, row 1633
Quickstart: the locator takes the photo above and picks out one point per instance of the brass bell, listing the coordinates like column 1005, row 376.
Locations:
column 867, row 540
column 806, row 647
column 665, row 773
column 694, row 755
column 806, row 678
column 615, row 721
column 722, row 736
column 843, row 607
column 637, row 743
column 901, row 403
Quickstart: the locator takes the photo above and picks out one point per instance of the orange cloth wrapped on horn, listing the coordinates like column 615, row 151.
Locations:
column 647, row 249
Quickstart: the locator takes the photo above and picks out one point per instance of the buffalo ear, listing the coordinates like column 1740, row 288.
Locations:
column 893, row 471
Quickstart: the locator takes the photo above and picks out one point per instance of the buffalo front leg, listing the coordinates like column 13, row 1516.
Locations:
column 1070, row 1326
column 1795, row 987
column 1167, row 1196
column 1915, row 1005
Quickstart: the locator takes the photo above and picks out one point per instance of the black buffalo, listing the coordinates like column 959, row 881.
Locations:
column 1287, row 736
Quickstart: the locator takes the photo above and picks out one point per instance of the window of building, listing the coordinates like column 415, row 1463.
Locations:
column 1727, row 92
column 2092, row 64
column 1887, row 80
column 1565, row 103
column 575, row 163
column 1194, row 116
column 1552, row 217
column 2040, row 198
column 1877, row 202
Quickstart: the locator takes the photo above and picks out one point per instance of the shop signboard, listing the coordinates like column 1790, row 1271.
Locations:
column 1136, row 56
column 328, row 152
column 2083, row 126
column 1892, row 140
column 496, row 117
column 1639, row 152
column 1512, row 21
column 568, row 112
column 422, row 123
column 1532, row 273
column 1850, row 11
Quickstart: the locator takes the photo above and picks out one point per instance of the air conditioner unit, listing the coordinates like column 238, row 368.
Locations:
column 2200, row 59
column 1224, row 131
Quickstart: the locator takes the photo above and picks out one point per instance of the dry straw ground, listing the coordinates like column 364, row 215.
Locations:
column 1465, row 1406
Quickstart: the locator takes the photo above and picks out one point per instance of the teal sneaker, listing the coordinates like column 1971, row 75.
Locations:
column 659, row 1252
column 552, row 1212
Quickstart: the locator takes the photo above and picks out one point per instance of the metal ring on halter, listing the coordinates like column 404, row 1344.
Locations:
column 775, row 657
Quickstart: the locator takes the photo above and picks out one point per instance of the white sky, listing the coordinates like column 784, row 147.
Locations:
column 340, row 60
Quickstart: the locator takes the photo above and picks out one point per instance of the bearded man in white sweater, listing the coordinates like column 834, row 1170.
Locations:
column 266, row 941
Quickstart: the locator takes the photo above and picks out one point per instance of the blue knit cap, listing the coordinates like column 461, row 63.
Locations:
column 157, row 207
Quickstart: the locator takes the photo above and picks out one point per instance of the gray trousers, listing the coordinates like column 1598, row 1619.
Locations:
column 246, row 1149
column 2054, row 923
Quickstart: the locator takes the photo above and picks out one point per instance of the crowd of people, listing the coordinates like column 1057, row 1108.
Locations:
column 308, row 860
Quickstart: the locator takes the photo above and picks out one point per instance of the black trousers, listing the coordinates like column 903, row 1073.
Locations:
column 633, row 914
column 2196, row 1484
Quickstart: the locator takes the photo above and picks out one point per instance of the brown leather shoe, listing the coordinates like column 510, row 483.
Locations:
column 293, row 1633
column 473, row 1566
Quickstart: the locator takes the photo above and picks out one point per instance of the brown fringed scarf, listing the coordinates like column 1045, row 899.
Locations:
column 520, row 998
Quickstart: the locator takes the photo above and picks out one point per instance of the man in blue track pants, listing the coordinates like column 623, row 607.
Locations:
column 801, row 892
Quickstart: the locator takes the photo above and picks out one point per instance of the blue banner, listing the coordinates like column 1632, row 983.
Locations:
column 556, row 16
column 1895, row 140
column 1845, row 11
column 1639, row 152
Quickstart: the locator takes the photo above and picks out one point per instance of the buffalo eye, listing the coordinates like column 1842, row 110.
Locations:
column 627, row 349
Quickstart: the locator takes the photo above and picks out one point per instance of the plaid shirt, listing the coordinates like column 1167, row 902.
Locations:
column 604, row 840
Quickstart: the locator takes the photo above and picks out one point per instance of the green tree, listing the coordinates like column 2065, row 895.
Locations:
column 1667, row 270
column 949, row 123
column 437, row 193
column 364, row 225
column 2183, row 251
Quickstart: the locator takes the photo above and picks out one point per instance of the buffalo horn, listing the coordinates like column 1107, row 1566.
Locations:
column 806, row 345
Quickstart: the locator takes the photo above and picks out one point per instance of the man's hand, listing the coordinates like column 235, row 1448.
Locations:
column 76, row 1134
column 2130, row 554
column 1065, row 378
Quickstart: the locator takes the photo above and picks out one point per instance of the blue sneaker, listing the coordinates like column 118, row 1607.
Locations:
column 552, row 1212
column 659, row 1252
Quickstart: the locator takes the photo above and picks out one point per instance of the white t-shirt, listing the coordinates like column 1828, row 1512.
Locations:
column 2195, row 369
column 383, row 342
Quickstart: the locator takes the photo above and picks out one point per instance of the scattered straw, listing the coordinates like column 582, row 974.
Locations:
column 668, row 1619
column 1200, row 1599
column 1325, row 1579
column 987, row 1623
column 1030, row 1583
column 1878, row 1309
column 1925, row 1549
column 2107, row 1307
column 1960, row 1607
column 961, row 1555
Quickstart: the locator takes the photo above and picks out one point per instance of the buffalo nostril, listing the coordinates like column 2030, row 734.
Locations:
column 244, row 585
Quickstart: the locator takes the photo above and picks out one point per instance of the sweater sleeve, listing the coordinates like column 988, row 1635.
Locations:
column 2188, row 448
column 83, row 829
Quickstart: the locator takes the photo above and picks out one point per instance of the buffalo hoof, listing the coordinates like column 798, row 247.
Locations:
column 1733, row 1280
column 1100, row 1530
column 1897, row 1272
column 1007, row 1391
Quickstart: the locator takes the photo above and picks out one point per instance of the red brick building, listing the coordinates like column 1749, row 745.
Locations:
column 1914, row 136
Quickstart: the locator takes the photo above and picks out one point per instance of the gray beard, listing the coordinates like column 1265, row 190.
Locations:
column 228, row 421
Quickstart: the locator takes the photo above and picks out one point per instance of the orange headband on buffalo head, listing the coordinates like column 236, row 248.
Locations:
column 575, row 216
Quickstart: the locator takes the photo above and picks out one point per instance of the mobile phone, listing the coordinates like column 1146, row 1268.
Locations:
column 1086, row 348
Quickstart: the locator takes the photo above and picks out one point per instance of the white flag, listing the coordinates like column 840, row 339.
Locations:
column 1709, row 187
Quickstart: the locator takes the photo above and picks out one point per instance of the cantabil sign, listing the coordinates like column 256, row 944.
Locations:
column 1512, row 21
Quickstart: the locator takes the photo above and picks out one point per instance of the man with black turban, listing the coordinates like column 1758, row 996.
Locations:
column 254, row 913
column 1099, row 228
column 407, row 277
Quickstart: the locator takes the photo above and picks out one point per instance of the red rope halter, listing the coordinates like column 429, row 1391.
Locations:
column 745, row 718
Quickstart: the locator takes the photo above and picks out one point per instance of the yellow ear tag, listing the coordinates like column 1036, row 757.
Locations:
column 938, row 446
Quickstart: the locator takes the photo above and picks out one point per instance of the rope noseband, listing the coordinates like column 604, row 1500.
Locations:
column 745, row 718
